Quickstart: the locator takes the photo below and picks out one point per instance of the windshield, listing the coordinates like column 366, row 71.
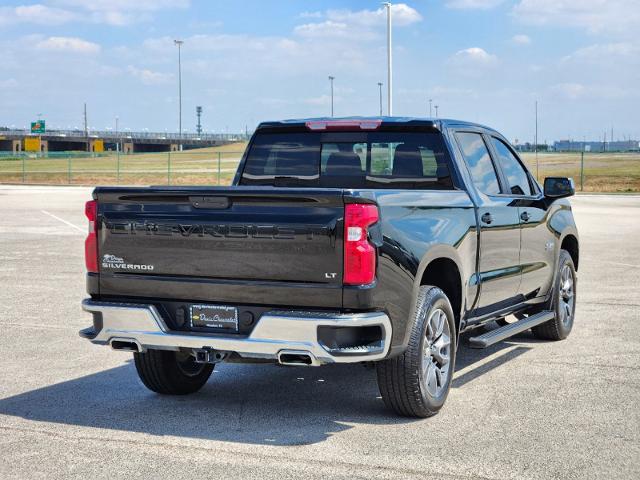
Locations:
column 349, row 160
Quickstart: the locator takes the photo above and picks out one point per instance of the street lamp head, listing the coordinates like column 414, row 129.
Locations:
column 331, row 77
column 178, row 42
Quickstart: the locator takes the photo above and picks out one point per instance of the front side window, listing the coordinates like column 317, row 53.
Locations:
column 514, row 171
column 477, row 157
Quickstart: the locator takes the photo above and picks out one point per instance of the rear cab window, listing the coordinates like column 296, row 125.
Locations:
column 380, row 159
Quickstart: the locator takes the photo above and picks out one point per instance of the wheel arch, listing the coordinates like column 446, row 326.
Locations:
column 442, row 268
column 570, row 244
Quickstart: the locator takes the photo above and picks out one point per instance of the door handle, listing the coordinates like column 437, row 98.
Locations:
column 524, row 216
column 487, row 218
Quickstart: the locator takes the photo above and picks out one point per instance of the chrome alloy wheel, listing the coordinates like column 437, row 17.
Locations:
column 566, row 295
column 436, row 353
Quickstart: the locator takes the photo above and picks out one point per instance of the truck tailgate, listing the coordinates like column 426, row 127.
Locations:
column 228, row 245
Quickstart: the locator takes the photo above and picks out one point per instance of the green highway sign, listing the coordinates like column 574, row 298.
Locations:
column 38, row 127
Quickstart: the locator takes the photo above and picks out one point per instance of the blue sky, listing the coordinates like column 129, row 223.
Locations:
column 248, row 61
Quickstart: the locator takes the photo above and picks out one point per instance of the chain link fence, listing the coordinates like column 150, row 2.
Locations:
column 166, row 168
column 592, row 172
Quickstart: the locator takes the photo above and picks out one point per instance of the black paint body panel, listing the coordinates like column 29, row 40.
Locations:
column 261, row 248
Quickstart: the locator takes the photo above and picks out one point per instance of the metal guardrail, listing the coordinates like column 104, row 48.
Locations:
column 125, row 135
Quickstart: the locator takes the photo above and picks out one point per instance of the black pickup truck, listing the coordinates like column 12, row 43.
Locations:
column 341, row 240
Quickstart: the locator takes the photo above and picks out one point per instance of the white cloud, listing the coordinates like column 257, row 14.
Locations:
column 110, row 12
column 149, row 77
column 521, row 39
column 401, row 13
column 121, row 12
column 311, row 15
column 327, row 28
column 606, row 53
column 473, row 57
column 473, row 4
column 68, row 44
column 361, row 24
column 597, row 16
column 123, row 5
column 595, row 91
column 38, row 14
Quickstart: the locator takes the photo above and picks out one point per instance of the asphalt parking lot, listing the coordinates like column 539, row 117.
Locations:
column 523, row 409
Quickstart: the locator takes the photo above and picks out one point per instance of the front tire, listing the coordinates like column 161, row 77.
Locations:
column 563, row 302
column 416, row 383
column 171, row 373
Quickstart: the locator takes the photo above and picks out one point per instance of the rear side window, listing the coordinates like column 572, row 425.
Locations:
column 382, row 159
column 477, row 157
column 515, row 172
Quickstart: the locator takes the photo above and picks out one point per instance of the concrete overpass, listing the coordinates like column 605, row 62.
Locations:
column 98, row 141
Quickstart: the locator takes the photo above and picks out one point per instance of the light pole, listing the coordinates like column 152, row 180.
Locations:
column 116, row 134
column 179, row 44
column 430, row 113
column 436, row 107
column 380, row 88
column 331, row 79
column 535, row 147
column 389, row 61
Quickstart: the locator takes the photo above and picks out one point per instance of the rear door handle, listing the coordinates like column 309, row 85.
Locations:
column 487, row 218
column 524, row 216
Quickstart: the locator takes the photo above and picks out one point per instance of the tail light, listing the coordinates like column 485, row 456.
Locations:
column 359, row 254
column 91, row 243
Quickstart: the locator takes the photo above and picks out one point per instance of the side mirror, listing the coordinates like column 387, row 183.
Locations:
column 559, row 187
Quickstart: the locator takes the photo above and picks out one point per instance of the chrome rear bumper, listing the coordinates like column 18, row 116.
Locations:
column 275, row 332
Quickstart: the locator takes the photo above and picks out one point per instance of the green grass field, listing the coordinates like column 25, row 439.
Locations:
column 206, row 166
column 603, row 172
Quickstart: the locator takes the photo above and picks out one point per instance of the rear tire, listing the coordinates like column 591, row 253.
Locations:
column 416, row 383
column 171, row 373
column 563, row 302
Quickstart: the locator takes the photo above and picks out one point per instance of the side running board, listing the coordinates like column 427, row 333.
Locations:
column 499, row 334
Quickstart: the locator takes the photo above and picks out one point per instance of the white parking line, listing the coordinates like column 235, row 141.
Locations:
column 621, row 264
column 82, row 230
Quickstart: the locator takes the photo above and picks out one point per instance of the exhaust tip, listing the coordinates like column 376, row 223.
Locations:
column 296, row 358
column 125, row 345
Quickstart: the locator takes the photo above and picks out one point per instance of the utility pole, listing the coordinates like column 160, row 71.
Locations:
column 199, row 125
column 380, row 88
column 389, row 61
column 331, row 79
column 535, row 147
column 179, row 44
column 430, row 112
column 86, row 130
